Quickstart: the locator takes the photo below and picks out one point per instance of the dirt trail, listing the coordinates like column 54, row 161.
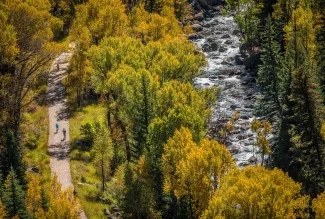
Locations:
column 59, row 147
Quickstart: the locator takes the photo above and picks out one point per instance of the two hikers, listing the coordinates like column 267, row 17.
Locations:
column 64, row 131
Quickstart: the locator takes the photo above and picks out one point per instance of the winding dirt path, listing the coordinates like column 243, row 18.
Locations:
column 59, row 147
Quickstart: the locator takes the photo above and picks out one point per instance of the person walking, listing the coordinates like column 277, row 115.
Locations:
column 57, row 128
column 64, row 133
column 57, row 67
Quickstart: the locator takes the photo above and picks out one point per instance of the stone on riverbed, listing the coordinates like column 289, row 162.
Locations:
column 193, row 36
column 252, row 159
column 222, row 49
column 199, row 17
column 226, row 36
column 197, row 27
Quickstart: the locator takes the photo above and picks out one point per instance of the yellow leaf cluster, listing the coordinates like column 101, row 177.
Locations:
column 318, row 206
column 63, row 204
column 256, row 192
column 195, row 170
column 301, row 29
column 263, row 129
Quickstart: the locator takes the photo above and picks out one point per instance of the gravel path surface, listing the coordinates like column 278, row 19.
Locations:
column 59, row 147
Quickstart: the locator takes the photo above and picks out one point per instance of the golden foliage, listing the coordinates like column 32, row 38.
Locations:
column 2, row 211
column 174, row 151
column 256, row 192
column 301, row 29
column 63, row 204
column 194, row 170
column 318, row 206
column 263, row 129
column 33, row 197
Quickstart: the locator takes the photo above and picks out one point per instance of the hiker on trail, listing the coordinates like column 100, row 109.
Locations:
column 57, row 128
column 57, row 67
column 75, row 192
column 64, row 133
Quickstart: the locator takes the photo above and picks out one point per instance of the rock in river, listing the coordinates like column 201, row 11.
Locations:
column 197, row 27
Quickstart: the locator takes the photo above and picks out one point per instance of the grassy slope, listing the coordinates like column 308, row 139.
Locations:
column 35, row 129
column 83, row 171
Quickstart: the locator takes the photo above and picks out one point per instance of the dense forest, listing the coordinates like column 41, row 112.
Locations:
column 144, row 141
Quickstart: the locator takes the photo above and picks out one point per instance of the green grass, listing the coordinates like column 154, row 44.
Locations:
column 84, row 176
column 35, row 129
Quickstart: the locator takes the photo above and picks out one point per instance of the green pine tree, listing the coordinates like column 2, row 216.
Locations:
column 274, row 78
column 143, row 116
column 13, row 158
column 307, row 144
column 269, row 75
column 14, row 196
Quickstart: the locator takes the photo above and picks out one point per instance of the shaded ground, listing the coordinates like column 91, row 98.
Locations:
column 59, row 147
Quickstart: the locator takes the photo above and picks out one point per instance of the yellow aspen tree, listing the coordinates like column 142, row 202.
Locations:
column 174, row 151
column 262, row 129
column 63, row 204
column 318, row 206
column 201, row 170
column 257, row 192
column 34, row 196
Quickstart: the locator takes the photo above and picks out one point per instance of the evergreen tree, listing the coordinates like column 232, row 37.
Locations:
column 1, row 185
column 269, row 75
column 274, row 78
column 308, row 146
column 143, row 115
column 305, row 102
column 13, row 159
column 14, row 196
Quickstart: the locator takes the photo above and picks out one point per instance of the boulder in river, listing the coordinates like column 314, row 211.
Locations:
column 252, row 159
column 203, row 4
column 214, row 2
column 234, row 150
column 226, row 36
column 239, row 60
column 210, row 47
column 228, row 42
column 236, row 32
column 222, row 49
column 197, row 27
column 193, row 36
column 233, row 107
column 214, row 46
column 199, row 16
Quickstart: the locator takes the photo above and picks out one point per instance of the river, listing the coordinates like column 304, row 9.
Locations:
column 220, row 41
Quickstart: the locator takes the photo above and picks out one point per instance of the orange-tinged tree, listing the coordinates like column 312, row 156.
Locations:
column 256, row 192
column 63, row 204
column 34, row 196
column 2, row 211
